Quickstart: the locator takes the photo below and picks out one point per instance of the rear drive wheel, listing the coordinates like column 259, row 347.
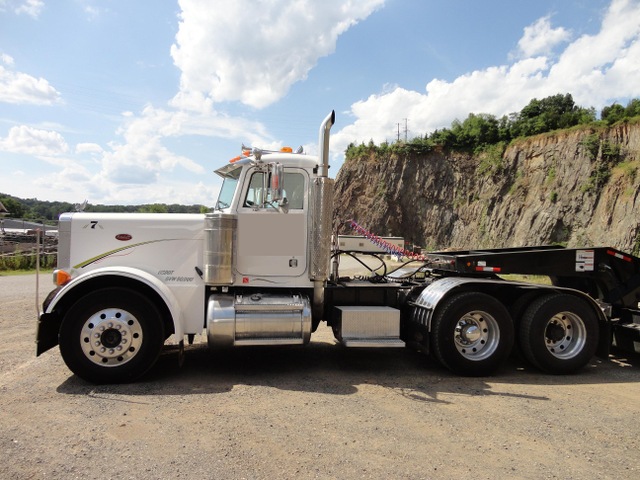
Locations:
column 559, row 333
column 111, row 335
column 472, row 334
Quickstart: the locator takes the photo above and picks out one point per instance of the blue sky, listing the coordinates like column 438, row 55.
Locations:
column 130, row 102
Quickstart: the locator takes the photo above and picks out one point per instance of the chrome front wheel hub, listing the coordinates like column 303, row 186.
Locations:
column 111, row 337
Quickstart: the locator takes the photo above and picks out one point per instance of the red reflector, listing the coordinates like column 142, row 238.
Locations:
column 488, row 269
column 619, row 255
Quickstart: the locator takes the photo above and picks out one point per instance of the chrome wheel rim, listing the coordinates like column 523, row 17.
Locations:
column 565, row 335
column 476, row 335
column 111, row 337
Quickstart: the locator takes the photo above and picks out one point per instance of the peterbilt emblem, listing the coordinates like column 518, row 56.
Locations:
column 123, row 237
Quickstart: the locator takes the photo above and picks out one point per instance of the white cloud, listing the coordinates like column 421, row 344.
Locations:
column 74, row 184
column 239, row 64
column 21, row 88
column 540, row 38
column 6, row 59
column 32, row 141
column 603, row 67
column 66, row 180
column 93, row 12
column 596, row 69
column 91, row 148
column 142, row 157
column 33, row 8
column 254, row 51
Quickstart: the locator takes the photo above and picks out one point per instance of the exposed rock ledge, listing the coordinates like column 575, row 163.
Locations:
column 579, row 187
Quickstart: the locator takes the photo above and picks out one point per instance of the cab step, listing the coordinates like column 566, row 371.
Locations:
column 368, row 326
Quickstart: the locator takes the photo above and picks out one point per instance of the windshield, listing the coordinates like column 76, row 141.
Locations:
column 228, row 189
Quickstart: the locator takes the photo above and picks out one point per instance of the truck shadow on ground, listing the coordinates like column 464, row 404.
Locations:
column 334, row 370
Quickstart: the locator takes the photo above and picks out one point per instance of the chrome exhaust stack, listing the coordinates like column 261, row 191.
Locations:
column 323, row 144
column 321, row 216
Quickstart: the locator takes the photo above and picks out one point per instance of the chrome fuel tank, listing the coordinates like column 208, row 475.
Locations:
column 258, row 319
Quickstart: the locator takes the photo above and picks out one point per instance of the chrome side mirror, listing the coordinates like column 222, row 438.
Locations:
column 276, row 184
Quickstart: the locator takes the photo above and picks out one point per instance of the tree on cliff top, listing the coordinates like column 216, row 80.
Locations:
column 550, row 113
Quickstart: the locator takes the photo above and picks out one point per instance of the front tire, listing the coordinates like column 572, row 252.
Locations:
column 472, row 334
column 559, row 333
column 111, row 335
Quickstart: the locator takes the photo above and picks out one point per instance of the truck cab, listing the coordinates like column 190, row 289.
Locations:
column 267, row 247
column 268, row 194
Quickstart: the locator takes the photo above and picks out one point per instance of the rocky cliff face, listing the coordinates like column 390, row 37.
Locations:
column 576, row 188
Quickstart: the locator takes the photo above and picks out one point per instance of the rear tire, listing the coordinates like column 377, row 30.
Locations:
column 559, row 333
column 472, row 334
column 111, row 335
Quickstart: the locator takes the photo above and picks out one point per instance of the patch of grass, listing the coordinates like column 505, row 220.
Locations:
column 491, row 159
column 537, row 279
column 591, row 144
column 627, row 170
column 636, row 246
column 26, row 261
column 15, row 273
column 551, row 175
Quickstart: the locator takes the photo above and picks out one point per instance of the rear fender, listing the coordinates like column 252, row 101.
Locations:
column 432, row 296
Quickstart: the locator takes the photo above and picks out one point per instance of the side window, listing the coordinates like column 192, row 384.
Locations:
column 294, row 189
column 255, row 191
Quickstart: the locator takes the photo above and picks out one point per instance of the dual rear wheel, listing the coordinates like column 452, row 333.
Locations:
column 472, row 333
column 559, row 333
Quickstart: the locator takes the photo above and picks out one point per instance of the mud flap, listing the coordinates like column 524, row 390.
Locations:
column 47, row 332
column 604, row 344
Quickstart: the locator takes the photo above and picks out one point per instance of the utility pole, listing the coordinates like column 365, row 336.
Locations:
column 406, row 128
column 398, row 125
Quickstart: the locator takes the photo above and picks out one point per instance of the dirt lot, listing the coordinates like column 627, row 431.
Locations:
column 315, row 412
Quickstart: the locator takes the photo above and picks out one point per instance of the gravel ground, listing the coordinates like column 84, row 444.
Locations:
column 315, row 412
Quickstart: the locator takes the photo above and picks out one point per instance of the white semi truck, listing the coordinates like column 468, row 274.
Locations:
column 260, row 269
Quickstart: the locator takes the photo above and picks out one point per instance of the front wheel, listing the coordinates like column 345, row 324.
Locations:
column 472, row 334
column 559, row 333
column 111, row 335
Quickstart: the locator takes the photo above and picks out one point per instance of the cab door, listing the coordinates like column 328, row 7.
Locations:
column 272, row 238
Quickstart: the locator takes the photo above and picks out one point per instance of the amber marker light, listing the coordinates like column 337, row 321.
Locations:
column 60, row 277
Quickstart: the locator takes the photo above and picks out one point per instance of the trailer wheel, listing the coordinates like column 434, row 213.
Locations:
column 559, row 333
column 111, row 335
column 472, row 334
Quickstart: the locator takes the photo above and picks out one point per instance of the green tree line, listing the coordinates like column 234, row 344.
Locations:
column 481, row 130
column 34, row 209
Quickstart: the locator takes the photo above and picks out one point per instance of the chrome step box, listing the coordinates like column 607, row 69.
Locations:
column 363, row 326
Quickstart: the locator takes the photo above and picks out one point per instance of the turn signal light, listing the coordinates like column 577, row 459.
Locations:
column 60, row 277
